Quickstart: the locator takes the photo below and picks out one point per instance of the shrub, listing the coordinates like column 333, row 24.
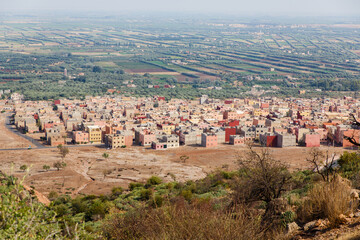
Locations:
column 23, row 167
column 105, row 155
column 187, row 194
column 46, row 167
column 183, row 221
column 59, row 165
column 145, row 194
column 349, row 164
column 157, row 201
column 154, row 180
column 287, row 217
column 132, row 186
column 355, row 180
column 227, row 175
column 327, row 200
column 79, row 205
column 116, row 191
column 97, row 210
column 53, row 195
column 22, row 216
column 62, row 210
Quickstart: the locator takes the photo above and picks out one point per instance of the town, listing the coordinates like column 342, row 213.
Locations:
column 120, row 122
column 180, row 120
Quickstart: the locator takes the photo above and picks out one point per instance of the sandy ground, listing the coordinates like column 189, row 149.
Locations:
column 85, row 168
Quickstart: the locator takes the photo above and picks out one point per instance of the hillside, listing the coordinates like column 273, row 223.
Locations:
column 260, row 200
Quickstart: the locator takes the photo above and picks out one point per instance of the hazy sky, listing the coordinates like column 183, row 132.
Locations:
column 250, row 7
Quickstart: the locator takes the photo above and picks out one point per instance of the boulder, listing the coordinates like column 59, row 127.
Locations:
column 310, row 225
column 292, row 227
column 343, row 219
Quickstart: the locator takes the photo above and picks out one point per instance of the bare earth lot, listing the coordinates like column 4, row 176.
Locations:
column 85, row 166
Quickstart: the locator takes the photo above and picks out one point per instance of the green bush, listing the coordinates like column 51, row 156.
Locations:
column 132, row 186
column 187, row 194
column 145, row 194
column 154, row 180
column 97, row 210
column 349, row 164
column 116, row 191
column 157, row 201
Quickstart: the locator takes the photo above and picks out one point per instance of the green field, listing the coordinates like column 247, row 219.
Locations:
column 317, row 56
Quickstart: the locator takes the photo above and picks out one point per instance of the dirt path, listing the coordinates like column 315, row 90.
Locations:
column 80, row 188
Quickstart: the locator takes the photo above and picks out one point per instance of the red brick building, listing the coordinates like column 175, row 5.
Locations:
column 268, row 140
column 228, row 133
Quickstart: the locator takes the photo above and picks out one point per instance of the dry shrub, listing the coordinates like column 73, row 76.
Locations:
column 327, row 200
column 184, row 221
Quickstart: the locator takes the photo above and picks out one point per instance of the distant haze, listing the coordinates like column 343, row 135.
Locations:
column 248, row 7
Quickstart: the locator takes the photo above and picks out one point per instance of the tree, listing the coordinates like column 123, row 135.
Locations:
column 23, row 167
column 97, row 69
column 262, row 177
column 63, row 151
column 46, row 167
column 183, row 158
column 322, row 163
column 59, row 165
column 105, row 155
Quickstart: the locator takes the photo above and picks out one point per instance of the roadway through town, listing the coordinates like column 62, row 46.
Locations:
column 9, row 126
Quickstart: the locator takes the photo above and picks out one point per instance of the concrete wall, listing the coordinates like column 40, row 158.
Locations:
column 286, row 140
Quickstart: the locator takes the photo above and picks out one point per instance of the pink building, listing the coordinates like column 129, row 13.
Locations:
column 147, row 138
column 157, row 145
column 323, row 134
column 209, row 140
column 312, row 140
column 230, row 115
column 80, row 137
column 236, row 140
